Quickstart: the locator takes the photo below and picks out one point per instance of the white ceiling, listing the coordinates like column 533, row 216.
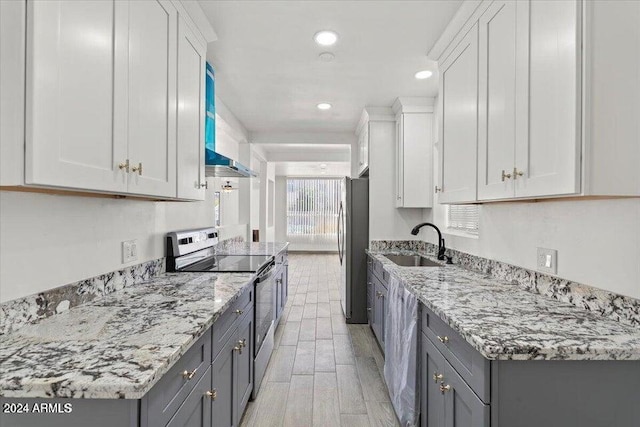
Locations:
column 269, row 74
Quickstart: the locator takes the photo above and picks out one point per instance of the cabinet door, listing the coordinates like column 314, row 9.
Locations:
column 459, row 121
column 462, row 407
column 244, row 365
column 75, row 109
column 379, row 313
column 497, row 101
column 417, row 160
column 399, row 161
column 370, row 296
column 222, row 369
column 196, row 409
column 152, row 97
column 548, row 147
column 191, row 82
column 431, row 398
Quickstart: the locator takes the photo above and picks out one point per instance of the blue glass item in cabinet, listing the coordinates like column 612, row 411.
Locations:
column 210, row 119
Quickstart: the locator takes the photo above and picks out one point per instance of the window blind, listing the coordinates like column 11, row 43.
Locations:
column 463, row 218
column 312, row 206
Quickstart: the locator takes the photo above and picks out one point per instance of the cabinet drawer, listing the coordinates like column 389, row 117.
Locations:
column 467, row 361
column 196, row 409
column 225, row 324
column 164, row 399
column 379, row 272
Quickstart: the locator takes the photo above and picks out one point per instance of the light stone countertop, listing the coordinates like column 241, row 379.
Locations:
column 117, row 346
column 503, row 321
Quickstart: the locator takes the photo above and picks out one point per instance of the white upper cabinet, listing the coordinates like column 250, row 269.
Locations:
column 111, row 86
column 414, row 152
column 558, row 100
column 191, row 98
column 548, row 146
column 75, row 134
column 497, row 100
column 152, row 97
column 458, row 128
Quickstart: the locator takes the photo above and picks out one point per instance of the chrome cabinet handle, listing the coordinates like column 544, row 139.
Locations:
column 379, row 294
column 205, row 185
column 137, row 169
column 239, row 312
column 124, row 166
column 242, row 342
column 437, row 377
column 505, row 175
column 517, row 173
column 212, row 394
column 438, row 189
column 189, row 374
column 444, row 388
column 444, row 339
column 238, row 348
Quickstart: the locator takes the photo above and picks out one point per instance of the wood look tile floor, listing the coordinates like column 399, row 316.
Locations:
column 323, row 372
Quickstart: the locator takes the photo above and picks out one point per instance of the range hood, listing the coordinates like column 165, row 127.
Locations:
column 217, row 165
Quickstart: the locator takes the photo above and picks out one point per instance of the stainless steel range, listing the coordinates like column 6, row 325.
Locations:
column 192, row 251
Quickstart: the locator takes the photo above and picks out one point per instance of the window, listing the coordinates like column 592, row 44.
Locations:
column 463, row 218
column 312, row 206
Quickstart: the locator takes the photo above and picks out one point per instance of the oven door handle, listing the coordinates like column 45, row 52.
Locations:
column 268, row 272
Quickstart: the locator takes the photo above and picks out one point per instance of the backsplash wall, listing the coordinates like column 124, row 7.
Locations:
column 598, row 241
column 50, row 240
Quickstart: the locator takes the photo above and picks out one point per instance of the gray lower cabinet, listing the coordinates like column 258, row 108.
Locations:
column 196, row 409
column 379, row 312
column 281, row 284
column 377, row 300
column 233, row 375
column 447, row 400
column 460, row 388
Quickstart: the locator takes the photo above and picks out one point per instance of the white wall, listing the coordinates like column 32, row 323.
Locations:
column 598, row 241
column 386, row 222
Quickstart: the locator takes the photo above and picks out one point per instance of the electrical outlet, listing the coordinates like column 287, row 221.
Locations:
column 129, row 251
column 547, row 260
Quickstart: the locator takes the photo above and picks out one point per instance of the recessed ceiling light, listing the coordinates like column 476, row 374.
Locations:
column 425, row 74
column 326, row 56
column 324, row 106
column 323, row 165
column 326, row 38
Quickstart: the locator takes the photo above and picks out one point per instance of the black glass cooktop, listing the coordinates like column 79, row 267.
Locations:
column 230, row 264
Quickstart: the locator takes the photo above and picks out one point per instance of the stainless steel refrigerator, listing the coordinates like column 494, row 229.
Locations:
column 353, row 239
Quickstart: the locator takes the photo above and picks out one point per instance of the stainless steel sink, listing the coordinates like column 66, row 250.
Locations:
column 413, row 261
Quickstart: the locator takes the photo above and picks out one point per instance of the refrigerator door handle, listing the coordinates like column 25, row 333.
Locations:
column 340, row 213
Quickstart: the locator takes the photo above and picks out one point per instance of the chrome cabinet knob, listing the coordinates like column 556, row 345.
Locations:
column 517, row 173
column 438, row 189
column 444, row 388
column 124, row 166
column 205, row 185
column 212, row 394
column 505, row 175
column 239, row 312
column 437, row 377
column 189, row 374
column 444, row 339
column 137, row 169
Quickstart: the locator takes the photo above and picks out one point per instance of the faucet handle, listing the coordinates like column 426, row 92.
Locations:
column 449, row 259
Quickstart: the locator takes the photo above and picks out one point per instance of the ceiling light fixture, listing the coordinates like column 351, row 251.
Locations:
column 227, row 187
column 425, row 74
column 326, row 38
column 324, row 106
column 323, row 165
column 326, row 56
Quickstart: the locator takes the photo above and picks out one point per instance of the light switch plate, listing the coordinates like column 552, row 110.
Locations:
column 547, row 260
column 129, row 251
